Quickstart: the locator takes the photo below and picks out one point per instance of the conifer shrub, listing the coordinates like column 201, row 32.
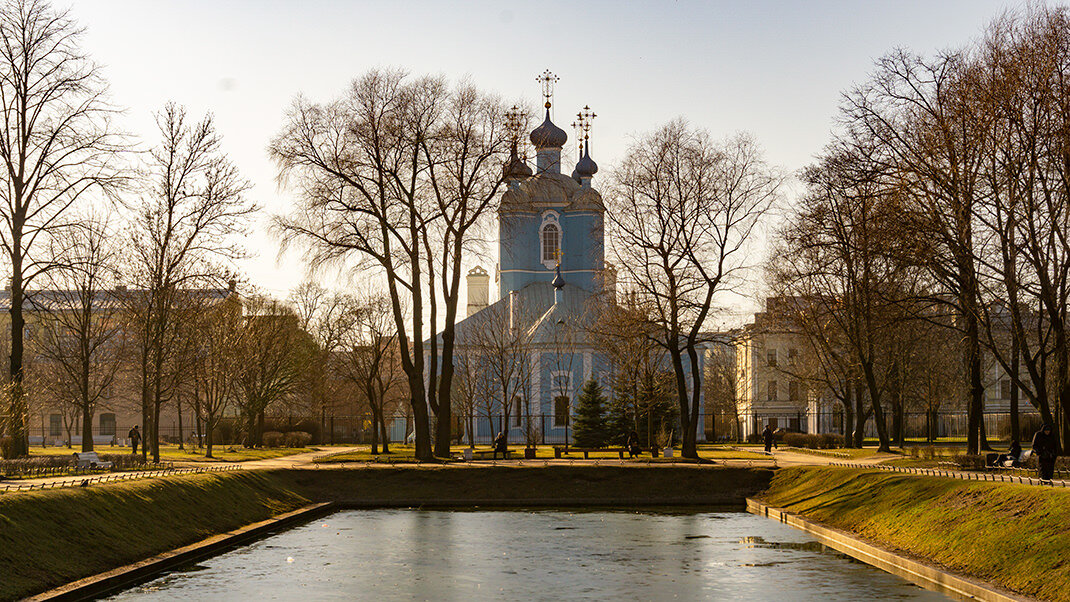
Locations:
column 589, row 424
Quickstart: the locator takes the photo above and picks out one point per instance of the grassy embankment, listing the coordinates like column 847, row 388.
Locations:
column 171, row 453
column 404, row 454
column 49, row 538
column 1013, row 536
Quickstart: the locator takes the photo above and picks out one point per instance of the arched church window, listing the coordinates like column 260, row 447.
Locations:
column 551, row 243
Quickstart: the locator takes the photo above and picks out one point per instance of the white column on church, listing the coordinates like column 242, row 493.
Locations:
column 586, row 366
column 535, row 374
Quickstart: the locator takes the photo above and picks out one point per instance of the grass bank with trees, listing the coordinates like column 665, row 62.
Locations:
column 961, row 525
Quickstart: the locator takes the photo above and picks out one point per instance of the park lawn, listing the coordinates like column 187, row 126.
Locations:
column 52, row 537
column 171, row 453
column 1014, row 536
column 235, row 453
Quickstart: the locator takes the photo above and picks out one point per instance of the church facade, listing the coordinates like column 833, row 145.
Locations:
column 530, row 352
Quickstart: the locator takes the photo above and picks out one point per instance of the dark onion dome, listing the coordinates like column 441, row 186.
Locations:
column 558, row 282
column 548, row 135
column 586, row 167
column 516, row 168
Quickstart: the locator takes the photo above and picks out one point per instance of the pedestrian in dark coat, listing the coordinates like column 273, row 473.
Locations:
column 1045, row 449
column 135, row 438
column 499, row 445
column 769, row 439
column 633, row 444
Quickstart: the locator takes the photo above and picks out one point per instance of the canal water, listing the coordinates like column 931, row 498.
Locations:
column 533, row 555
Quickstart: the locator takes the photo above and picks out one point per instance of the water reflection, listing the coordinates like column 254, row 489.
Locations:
column 536, row 555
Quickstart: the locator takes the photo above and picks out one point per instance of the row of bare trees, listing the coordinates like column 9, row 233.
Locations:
column 943, row 204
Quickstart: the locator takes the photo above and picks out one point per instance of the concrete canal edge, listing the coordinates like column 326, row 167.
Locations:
column 916, row 572
column 126, row 576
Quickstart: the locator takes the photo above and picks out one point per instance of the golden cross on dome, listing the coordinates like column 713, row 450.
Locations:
column 513, row 119
column 584, row 118
column 547, row 79
column 558, row 255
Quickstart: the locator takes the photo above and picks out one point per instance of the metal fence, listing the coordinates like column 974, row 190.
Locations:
column 923, row 426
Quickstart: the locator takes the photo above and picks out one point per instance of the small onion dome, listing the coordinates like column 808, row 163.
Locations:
column 586, row 167
column 517, row 169
column 548, row 135
column 559, row 281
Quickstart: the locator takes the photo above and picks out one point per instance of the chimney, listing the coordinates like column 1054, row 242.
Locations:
column 478, row 289
column 232, row 285
column 514, row 310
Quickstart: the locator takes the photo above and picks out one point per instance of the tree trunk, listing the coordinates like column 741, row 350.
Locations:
column 87, row 428
column 1016, row 431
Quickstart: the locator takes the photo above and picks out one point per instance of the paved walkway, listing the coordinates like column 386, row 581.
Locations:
column 779, row 458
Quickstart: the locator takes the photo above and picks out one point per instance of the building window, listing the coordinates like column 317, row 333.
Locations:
column 55, row 425
column 561, row 410
column 1005, row 388
column 551, row 243
column 518, row 410
column 770, row 357
column 793, row 390
column 107, row 424
column 793, row 356
column 771, row 392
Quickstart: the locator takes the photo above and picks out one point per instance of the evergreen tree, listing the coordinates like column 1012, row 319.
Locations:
column 589, row 424
column 620, row 422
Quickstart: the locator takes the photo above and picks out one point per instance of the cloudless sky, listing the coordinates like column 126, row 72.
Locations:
column 775, row 69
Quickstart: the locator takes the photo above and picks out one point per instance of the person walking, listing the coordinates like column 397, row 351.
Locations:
column 135, row 438
column 1045, row 449
column 769, row 439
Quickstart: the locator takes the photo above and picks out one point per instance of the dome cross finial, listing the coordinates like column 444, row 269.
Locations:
column 547, row 79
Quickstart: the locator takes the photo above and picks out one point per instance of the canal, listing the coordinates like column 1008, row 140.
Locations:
column 533, row 555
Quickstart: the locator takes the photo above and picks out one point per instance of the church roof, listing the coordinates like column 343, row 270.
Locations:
column 542, row 321
column 550, row 189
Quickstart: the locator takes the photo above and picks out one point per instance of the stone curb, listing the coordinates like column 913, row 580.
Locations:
column 126, row 576
column 919, row 573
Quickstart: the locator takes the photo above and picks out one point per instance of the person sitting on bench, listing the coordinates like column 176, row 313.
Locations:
column 499, row 446
column 633, row 444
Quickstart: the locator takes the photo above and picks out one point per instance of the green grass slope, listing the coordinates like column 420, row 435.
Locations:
column 50, row 538
column 1014, row 536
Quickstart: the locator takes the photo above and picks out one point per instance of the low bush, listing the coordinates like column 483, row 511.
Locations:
column 273, row 439
column 825, row 441
column 969, row 461
column 297, row 439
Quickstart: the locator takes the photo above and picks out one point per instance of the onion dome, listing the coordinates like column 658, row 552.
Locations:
column 516, row 168
column 559, row 281
column 548, row 135
column 586, row 167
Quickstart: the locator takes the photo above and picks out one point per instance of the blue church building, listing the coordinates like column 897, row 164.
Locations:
column 552, row 279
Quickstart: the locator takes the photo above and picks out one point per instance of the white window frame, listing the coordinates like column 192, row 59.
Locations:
column 550, row 218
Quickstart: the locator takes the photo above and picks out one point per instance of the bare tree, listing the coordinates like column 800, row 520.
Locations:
column 395, row 176
column 218, row 358
column 684, row 208
column 370, row 361
column 184, row 225
column 275, row 354
column 56, row 145
column 81, row 339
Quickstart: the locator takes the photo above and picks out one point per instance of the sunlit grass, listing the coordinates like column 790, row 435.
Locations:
column 51, row 537
column 1015, row 536
column 171, row 453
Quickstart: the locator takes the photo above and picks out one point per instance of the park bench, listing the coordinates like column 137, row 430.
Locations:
column 486, row 454
column 563, row 451
column 89, row 460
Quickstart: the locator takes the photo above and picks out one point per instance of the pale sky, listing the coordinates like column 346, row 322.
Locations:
column 775, row 69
